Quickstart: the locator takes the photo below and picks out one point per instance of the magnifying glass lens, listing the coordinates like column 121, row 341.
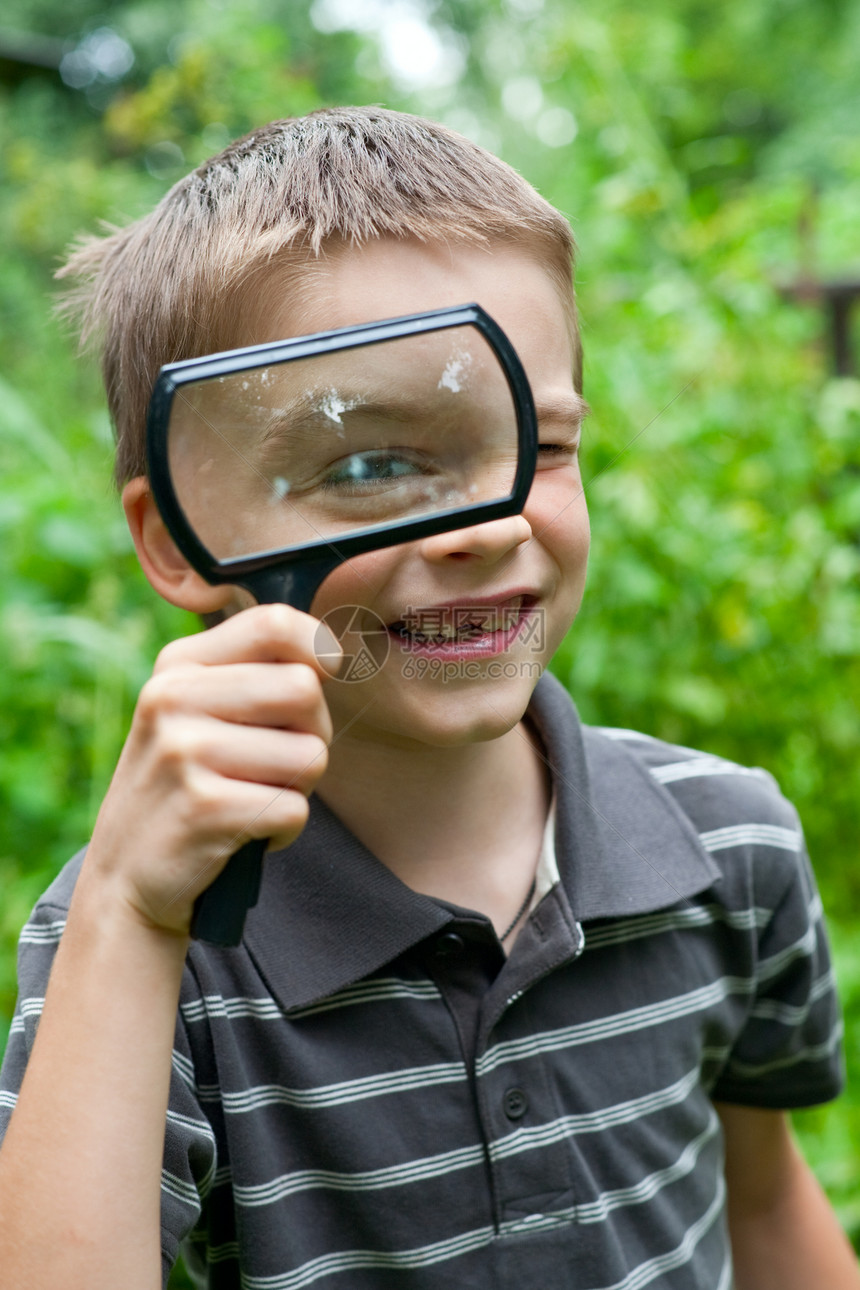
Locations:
column 276, row 457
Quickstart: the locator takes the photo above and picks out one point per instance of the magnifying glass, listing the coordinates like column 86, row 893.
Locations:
column 272, row 465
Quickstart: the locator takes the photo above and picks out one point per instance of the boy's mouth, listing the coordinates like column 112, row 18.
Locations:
column 463, row 628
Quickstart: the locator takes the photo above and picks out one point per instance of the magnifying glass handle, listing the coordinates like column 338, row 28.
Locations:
column 219, row 912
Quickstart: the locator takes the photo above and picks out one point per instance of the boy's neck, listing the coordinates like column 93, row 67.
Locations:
column 463, row 825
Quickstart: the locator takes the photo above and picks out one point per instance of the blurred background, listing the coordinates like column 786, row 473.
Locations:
column 709, row 160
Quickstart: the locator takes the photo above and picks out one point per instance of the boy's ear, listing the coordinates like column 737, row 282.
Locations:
column 164, row 565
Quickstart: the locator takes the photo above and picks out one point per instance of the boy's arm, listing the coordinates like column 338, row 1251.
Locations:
column 784, row 1233
column 80, row 1167
column 227, row 739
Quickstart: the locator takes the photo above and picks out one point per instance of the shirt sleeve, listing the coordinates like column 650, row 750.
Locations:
column 37, row 946
column 190, row 1162
column 190, row 1153
column 789, row 1051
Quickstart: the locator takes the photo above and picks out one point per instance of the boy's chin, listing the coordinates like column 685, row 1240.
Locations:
column 445, row 716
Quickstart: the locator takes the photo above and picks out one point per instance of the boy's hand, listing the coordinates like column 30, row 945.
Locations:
column 229, row 737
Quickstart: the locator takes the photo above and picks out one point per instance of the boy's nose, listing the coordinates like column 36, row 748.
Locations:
column 487, row 542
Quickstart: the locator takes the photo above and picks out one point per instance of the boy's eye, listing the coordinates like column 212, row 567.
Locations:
column 366, row 469
column 558, row 453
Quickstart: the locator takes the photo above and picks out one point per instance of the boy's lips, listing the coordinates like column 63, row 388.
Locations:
column 463, row 628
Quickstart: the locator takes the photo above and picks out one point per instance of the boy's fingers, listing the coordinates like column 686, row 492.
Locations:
column 227, row 814
column 262, row 634
column 284, row 695
column 273, row 759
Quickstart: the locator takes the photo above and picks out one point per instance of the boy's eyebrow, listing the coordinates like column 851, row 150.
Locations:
column 562, row 410
column 305, row 415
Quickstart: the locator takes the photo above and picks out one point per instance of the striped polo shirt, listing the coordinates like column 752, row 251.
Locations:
column 367, row 1094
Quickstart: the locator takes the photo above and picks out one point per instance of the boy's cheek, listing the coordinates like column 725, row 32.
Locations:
column 558, row 515
column 355, row 582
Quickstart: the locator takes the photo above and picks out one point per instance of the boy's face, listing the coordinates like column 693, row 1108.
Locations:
column 470, row 617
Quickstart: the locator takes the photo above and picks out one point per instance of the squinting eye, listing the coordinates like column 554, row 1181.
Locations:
column 559, row 451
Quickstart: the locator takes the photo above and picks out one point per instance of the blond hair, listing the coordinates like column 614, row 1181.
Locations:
column 165, row 287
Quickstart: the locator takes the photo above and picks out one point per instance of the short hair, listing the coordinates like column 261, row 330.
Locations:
column 165, row 287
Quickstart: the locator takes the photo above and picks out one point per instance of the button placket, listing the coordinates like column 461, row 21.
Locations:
column 530, row 1168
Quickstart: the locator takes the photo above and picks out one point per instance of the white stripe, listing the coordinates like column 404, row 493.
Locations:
column 187, row 1122
column 17, row 1026
column 31, row 1007
column 599, row 1209
column 8, row 1099
column 352, row 1260
column 619, row 733
column 367, row 1180
column 180, row 1190
column 370, row 992
column 42, row 933
column 214, row 1005
column 184, row 1069
column 648, row 1272
column 569, row 1126
column 803, row 948
column 267, row 1009
column 207, row 1182
column 813, row 1053
column 337, row 1094
column 739, row 835
column 588, row 1032
column 621, row 931
column 703, row 767
column 221, row 1253
column 787, row 1014
column 726, row 1277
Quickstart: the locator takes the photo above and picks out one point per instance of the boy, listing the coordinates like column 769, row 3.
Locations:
column 480, row 1017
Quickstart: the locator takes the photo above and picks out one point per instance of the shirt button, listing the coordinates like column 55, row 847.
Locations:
column 449, row 945
column 515, row 1103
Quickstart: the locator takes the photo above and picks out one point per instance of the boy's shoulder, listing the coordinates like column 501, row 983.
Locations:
column 749, row 831
column 58, row 895
column 659, row 822
column 719, row 795
column 47, row 919
column 712, row 790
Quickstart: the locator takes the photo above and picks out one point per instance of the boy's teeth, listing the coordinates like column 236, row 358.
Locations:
column 500, row 619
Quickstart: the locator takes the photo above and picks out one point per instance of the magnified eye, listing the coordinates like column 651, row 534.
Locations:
column 369, row 469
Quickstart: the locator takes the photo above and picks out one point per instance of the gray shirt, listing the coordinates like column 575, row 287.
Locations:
column 368, row 1095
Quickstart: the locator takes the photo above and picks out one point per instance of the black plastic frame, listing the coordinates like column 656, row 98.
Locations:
column 294, row 574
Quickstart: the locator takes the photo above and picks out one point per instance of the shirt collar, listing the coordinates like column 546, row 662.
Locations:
column 623, row 844
column 330, row 912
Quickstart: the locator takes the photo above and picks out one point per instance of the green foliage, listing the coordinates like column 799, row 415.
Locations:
column 706, row 155
column 80, row 630
column 830, row 1135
